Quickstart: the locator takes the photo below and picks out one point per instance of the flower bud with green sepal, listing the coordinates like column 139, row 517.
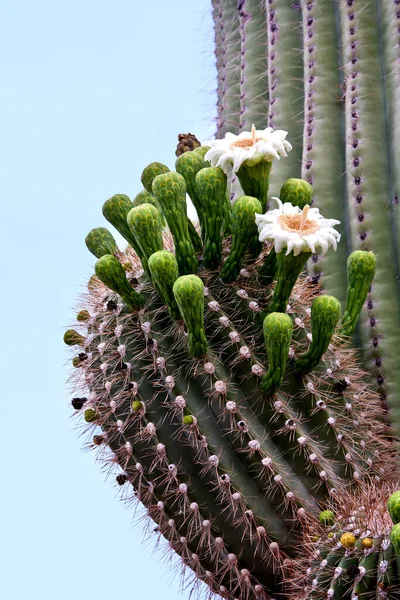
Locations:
column 277, row 329
column 189, row 295
column 150, row 172
column 327, row 518
column 115, row 210
column 110, row 271
column 211, row 190
column 188, row 165
column 100, row 241
column 164, row 272
column 395, row 538
column 73, row 338
column 170, row 192
column 361, row 266
column 243, row 236
column 394, row 507
column 145, row 223
column 325, row 314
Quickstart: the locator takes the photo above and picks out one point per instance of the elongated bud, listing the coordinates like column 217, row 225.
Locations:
column 188, row 165
column 115, row 210
column 189, row 295
column 150, row 172
column 296, row 191
column 72, row 338
column 100, row 241
column 361, row 267
column 325, row 314
column 289, row 269
column 110, row 271
column 394, row 507
column 170, row 192
column 164, row 272
column 211, row 188
column 277, row 329
column 145, row 224
column 144, row 197
column 244, row 235
column 255, row 181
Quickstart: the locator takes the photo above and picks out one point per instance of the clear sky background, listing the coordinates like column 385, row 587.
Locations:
column 90, row 92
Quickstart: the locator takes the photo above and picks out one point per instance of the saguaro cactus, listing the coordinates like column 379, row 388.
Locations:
column 329, row 71
column 237, row 410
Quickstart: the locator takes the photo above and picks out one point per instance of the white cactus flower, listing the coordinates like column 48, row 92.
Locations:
column 250, row 147
column 297, row 230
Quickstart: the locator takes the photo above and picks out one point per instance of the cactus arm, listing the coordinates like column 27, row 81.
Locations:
column 110, row 271
column 170, row 192
column 211, row 189
column 285, row 85
column 244, row 234
column 323, row 161
column 100, row 241
column 369, row 204
column 228, row 66
column 325, row 314
column 188, row 291
column 253, row 67
column 390, row 39
column 164, row 272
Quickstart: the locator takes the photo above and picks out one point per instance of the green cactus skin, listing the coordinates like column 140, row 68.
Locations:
column 100, row 241
column 244, row 235
column 323, row 60
column 145, row 223
column 394, row 507
column 233, row 455
column 211, row 191
column 325, row 314
column 170, row 192
column 164, row 272
column 278, row 329
column 188, row 291
column 361, row 266
column 110, row 271
column 150, row 172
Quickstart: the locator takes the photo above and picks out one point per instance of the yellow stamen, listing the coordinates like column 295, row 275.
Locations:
column 299, row 223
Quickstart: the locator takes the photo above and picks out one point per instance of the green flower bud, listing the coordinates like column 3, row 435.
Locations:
column 361, row 267
column 83, row 315
column 163, row 268
column 394, row 507
column 100, row 241
column 189, row 420
column 137, row 406
column 395, row 538
column 150, row 172
column 296, row 191
column 326, row 517
column 73, row 338
column 90, row 415
column 110, row 271
column 278, row 329
column 189, row 295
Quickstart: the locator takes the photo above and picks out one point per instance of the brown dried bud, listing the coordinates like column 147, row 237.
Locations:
column 186, row 143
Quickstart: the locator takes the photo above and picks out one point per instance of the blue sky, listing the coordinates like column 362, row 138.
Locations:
column 90, row 92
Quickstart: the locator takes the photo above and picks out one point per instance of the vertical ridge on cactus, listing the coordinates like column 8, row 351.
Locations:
column 334, row 81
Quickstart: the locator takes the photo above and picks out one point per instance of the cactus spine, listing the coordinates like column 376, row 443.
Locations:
column 330, row 73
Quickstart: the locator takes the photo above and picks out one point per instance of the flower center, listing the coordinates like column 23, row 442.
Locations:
column 247, row 142
column 299, row 223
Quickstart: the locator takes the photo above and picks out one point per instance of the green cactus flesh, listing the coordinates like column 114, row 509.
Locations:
column 237, row 413
column 328, row 72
